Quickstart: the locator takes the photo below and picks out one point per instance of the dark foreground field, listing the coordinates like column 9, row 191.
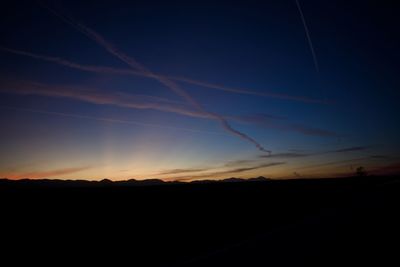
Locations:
column 334, row 222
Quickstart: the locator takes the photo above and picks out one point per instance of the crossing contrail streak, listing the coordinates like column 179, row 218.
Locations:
column 310, row 43
column 91, row 95
column 163, row 80
column 144, row 102
column 121, row 71
column 248, row 92
column 109, row 120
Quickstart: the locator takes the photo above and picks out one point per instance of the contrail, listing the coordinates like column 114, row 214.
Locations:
column 163, row 80
column 90, row 95
column 71, row 64
column 97, row 38
column 248, row 92
column 120, row 71
column 131, row 101
column 332, row 163
column 308, row 36
column 109, row 120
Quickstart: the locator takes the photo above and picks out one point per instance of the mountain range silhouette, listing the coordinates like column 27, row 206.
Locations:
column 130, row 182
column 233, row 222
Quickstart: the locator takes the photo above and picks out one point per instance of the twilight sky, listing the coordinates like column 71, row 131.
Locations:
column 184, row 90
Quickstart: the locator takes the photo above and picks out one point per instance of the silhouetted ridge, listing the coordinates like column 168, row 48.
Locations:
column 231, row 222
column 130, row 182
column 155, row 182
column 259, row 179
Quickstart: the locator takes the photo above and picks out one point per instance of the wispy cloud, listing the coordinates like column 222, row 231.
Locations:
column 122, row 71
column 112, row 120
column 179, row 171
column 130, row 101
column 248, row 92
column 308, row 130
column 287, row 155
column 173, row 86
column 228, row 172
column 94, row 96
column 229, row 164
column 239, row 162
column 351, row 149
column 259, row 118
column 339, row 162
column 281, row 123
column 380, row 157
column 57, row 173
column 264, row 165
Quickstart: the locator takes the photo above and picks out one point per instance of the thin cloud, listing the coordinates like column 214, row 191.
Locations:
column 280, row 123
column 301, row 155
column 228, row 172
column 239, row 162
column 296, row 150
column 123, row 100
column 174, row 87
column 239, row 170
column 121, row 71
column 351, row 149
column 179, row 171
column 259, row 118
column 309, row 130
column 47, row 174
column 380, row 157
column 234, row 163
column 93, row 96
column 287, row 155
column 248, row 92
column 333, row 163
column 70, row 64
column 111, row 120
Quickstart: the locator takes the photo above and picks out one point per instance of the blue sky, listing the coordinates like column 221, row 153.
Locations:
column 70, row 108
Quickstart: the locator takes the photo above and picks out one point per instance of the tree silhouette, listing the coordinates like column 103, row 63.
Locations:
column 360, row 171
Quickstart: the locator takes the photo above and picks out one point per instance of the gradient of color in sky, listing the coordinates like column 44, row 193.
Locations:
column 100, row 118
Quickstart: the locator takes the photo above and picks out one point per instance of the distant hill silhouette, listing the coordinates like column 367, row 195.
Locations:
column 254, row 222
column 130, row 182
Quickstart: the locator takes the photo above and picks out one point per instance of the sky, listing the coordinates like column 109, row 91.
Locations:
column 187, row 90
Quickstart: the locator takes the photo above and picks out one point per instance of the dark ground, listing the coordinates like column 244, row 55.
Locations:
column 328, row 222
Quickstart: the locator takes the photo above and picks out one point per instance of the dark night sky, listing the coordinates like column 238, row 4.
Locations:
column 64, row 122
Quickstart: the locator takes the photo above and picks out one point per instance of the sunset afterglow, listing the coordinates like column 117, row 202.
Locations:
column 194, row 92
